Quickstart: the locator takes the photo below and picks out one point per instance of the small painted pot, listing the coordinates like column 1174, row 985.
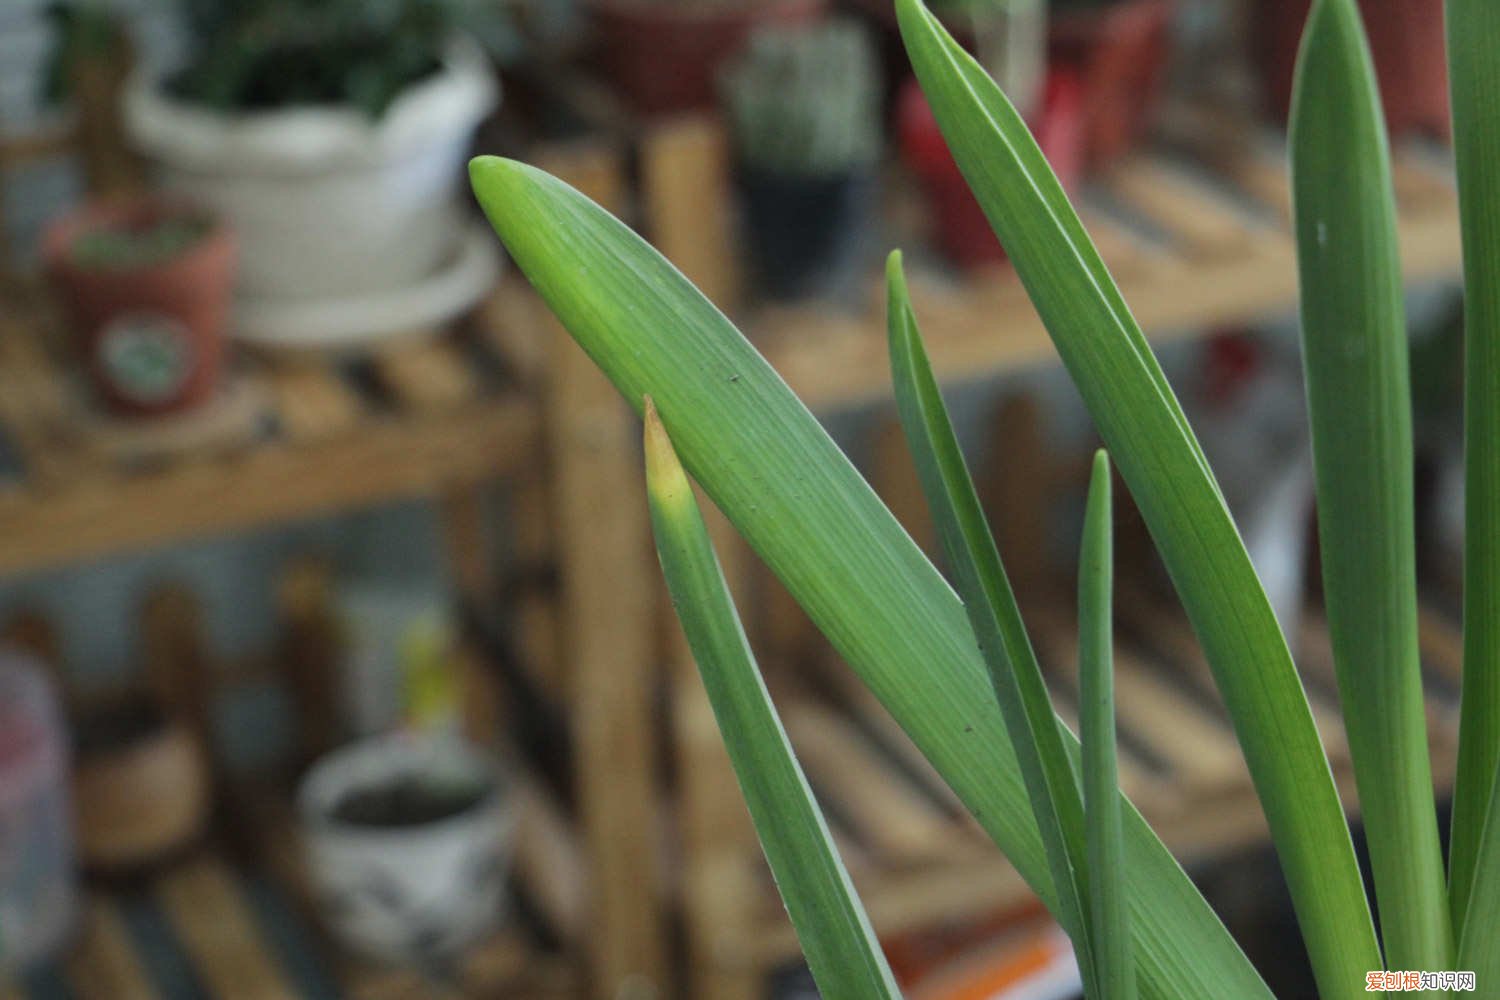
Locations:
column 407, row 842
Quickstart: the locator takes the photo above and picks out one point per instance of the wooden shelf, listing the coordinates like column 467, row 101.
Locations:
column 1197, row 240
column 918, row 860
column 414, row 420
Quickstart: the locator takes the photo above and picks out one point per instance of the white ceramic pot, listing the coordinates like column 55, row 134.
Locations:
column 326, row 202
column 415, row 893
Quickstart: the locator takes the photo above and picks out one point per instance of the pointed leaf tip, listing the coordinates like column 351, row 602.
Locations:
column 665, row 478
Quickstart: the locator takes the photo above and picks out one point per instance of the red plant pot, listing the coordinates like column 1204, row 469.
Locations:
column 1118, row 52
column 665, row 56
column 961, row 229
column 1406, row 42
column 152, row 336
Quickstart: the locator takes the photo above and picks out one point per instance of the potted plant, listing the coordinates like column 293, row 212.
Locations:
column 665, row 55
column 953, row 662
column 1406, row 42
column 330, row 134
column 804, row 108
column 146, row 283
column 407, row 840
column 1114, row 51
column 960, row 229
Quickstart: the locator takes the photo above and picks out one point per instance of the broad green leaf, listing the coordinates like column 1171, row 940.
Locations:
column 1474, row 71
column 841, row 949
column 803, row 508
column 1359, row 403
column 1035, row 733
column 1109, row 915
column 1148, row 437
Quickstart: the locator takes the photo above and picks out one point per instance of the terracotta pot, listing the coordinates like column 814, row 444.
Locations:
column 1406, row 41
column 961, row 229
column 1119, row 53
column 140, row 795
column 665, row 56
column 151, row 336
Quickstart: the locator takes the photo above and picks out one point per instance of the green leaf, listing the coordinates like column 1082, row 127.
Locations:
column 803, row 508
column 1473, row 40
column 1476, row 950
column 1109, row 916
column 1035, row 733
column 1142, row 423
column 1359, row 402
column 841, row 948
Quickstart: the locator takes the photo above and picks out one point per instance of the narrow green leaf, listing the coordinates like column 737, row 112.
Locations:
column 1359, row 402
column 1035, row 734
column 1142, row 423
column 840, row 946
column 1477, row 951
column 1474, row 73
column 1109, row 915
column 804, row 509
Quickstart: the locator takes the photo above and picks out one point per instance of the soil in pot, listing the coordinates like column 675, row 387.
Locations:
column 146, row 285
column 665, row 56
column 407, row 801
column 806, row 234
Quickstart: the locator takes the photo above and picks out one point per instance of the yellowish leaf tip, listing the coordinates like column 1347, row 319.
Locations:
column 665, row 478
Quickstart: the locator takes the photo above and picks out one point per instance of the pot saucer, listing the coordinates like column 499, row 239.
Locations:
column 358, row 322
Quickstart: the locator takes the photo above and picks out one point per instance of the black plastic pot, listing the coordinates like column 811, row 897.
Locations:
column 806, row 234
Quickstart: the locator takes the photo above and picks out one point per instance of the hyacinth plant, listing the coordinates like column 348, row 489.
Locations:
column 953, row 663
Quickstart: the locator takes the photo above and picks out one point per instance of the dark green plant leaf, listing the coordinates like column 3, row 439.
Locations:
column 1149, row 438
column 1473, row 41
column 841, row 949
column 1035, row 734
column 1359, row 402
column 1109, row 907
column 801, row 505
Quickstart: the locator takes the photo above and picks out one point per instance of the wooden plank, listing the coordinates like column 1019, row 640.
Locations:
column 1442, row 644
column 894, row 476
column 549, row 864
column 1016, row 486
column 686, row 198
column 1199, row 749
column 427, row 376
column 508, row 321
column 607, row 589
column 312, row 403
column 219, row 933
column 389, row 461
column 885, row 811
column 1201, row 221
column 102, row 964
column 841, row 362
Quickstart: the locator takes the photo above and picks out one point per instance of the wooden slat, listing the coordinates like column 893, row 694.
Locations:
column 894, row 476
column 102, row 965
column 509, row 323
column 686, row 198
column 885, row 811
column 549, row 864
column 427, row 376
column 1199, row 749
column 389, row 461
column 1202, row 222
column 219, row 934
column 312, row 403
column 1442, row 643
column 607, row 598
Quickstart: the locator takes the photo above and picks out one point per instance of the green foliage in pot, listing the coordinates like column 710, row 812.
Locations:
column 954, row 665
column 262, row 54
column 806, row 102
column 139, row 246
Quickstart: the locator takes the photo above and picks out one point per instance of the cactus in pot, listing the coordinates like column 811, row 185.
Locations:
column 804, row 109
